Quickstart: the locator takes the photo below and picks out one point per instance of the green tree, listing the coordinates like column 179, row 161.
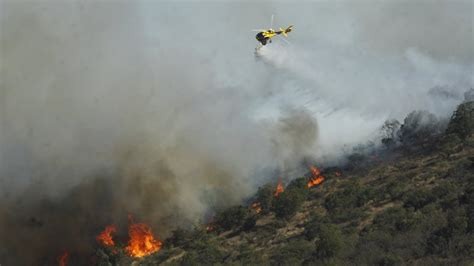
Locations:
column 266, row 197
column 329, row 242
column 289, row 202
column 231, row 217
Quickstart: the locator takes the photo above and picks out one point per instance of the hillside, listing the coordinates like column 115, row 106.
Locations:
column 410, row 203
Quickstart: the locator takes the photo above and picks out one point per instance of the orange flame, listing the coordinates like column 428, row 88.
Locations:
column 279, row 188
column 315, row 171
column 257, row 207
column 210, row 227
column 105, row 237
column 62, row 260
column 315, row 181
column 142, row 242
column 317, row 177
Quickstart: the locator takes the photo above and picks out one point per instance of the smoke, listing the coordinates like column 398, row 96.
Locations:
column 163, row 111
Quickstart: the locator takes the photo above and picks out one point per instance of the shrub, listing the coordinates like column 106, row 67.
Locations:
column 396, row 189
column 418, row 127
column 344, row 215
column 418, row 198
column 345, row 204
column 178, row 237
column 249, row 223
column 390, row 260
column 438, row 242
column 457, row 222
column 447, row 192
column 395, row 219
column 203, row 251
column 389, row 132
column 329, row 243
column 298, row 183
column 266, row 197
column 231, row 217
column 356, row 160
column 353, row 195
column 289, row 202
column 311, row 229
column 469, row 199
column 462, row 121
column 293, row 253
column 248, row 256
column 206, row 256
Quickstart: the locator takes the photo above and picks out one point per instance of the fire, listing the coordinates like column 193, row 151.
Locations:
column 279, row 188
column 317, row 177
column 315, row 181
column 338, row 174
column 62, row 260
column 257, row 207
column 105, row 237
column 210, row 227
column 142, row 242
column 315, row 171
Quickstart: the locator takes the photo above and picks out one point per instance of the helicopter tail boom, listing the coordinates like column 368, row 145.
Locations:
column 285, row 31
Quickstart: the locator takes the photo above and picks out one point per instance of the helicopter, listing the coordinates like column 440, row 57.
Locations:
column 265, row 36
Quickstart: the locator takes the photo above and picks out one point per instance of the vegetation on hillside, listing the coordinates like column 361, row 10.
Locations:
column 414, row 206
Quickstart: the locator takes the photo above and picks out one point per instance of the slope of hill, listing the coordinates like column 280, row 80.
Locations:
column 413, row 203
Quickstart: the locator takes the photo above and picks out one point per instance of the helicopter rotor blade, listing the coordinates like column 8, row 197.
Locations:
column 288, row 42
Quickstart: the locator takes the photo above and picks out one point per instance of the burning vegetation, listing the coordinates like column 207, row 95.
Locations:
column 142, row 242
column 317, row 178
column 347, row 203
column 257, row 206
column 105, row 237
column 63, row 258
column 279, row 189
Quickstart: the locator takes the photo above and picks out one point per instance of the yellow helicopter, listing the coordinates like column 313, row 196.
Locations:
column 265, row 36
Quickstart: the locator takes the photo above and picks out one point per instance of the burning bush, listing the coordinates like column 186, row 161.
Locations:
column 257, row 207
column 142, row 242
column 316, row 179
column 279, row 189
column 105, row 237
column 62, row 260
